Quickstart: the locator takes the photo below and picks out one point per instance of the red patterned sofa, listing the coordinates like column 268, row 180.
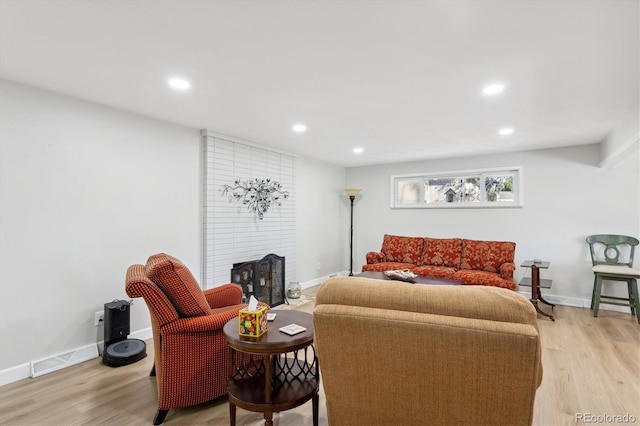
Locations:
column 470, row 261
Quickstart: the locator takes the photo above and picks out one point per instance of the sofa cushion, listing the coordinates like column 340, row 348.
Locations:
column 434, row 271
column 387, row 266
column 471, row 277
column 486, row 255
column 442, row 252
column 402, row 249
column 177, row 282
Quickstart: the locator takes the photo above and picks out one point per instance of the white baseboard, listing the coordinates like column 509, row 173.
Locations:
column 144, row 334
column 576, row 302
column 318, row 281
column 59, row 361
column 13, row 374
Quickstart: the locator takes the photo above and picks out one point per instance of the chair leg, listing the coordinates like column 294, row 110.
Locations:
column 597, row 289
column 633, row 294
column 593, row 290
column 159, row 418
column 632, row 298
column 153, row 371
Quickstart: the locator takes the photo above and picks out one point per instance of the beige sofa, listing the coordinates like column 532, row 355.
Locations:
column 393, row 353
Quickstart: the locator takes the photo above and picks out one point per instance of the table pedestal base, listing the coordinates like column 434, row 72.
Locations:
column 535, row 282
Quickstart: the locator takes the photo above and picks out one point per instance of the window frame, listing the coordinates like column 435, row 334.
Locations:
column 518, row 185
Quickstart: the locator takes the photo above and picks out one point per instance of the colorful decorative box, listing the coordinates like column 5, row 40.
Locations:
column 252, row 323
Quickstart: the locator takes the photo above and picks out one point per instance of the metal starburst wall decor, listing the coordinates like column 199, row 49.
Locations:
column 257, row 194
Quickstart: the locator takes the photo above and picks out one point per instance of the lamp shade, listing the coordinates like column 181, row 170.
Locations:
column 352, row 192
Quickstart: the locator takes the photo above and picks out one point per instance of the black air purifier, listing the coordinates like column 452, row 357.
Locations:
column 118, row 350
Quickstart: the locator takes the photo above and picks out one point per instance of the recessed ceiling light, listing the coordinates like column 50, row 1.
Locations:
column 493, row 89
column 358, row 150
column 299, row 128
column 179, row 83
column 505, row 131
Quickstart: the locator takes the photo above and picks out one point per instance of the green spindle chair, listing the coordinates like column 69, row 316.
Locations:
column 612, row 259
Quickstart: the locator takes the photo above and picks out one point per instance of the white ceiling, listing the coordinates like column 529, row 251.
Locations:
column 401, row 79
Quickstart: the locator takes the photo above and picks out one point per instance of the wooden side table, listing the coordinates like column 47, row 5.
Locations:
column 536, row 284
column 282, row 372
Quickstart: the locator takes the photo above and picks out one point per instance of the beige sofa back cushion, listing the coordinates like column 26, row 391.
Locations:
column 478, row 302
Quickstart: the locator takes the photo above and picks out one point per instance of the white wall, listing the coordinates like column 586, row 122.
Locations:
column 566, row 195
column 623, row 140
column 321, row 232
column 87, row 190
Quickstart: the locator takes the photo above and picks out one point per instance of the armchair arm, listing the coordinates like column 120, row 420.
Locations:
column 506, row 270
column 224, row 295
column 203, row 323
column 374, row 257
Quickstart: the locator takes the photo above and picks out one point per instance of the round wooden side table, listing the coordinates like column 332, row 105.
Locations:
column 281, row 371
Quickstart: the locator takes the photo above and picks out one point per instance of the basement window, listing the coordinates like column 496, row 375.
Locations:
column 486, row 188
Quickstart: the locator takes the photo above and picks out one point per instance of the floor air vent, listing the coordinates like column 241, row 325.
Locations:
column 47, row 365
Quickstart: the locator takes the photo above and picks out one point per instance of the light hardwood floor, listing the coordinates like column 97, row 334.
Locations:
column 591, row 366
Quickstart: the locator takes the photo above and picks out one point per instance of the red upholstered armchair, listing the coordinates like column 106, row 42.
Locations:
column 191, row 353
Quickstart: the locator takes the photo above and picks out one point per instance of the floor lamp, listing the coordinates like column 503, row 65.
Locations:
column 352, row 196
